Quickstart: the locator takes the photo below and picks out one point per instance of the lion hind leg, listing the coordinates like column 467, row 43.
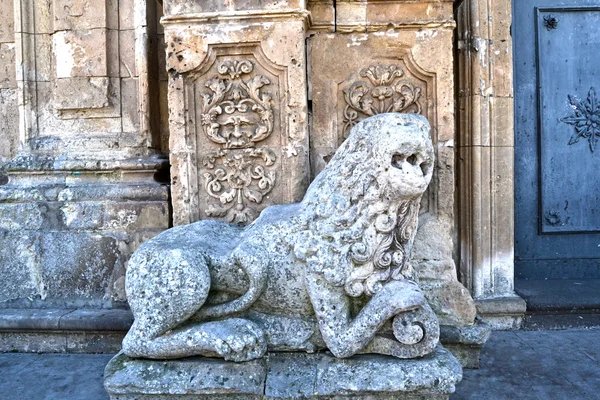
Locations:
column 234, row 339
column 165, row 287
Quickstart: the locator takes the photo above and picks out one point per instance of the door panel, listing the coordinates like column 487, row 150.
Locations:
column 567, row 51
column 557, row 139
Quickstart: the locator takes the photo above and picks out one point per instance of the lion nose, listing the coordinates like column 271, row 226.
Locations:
column 409, row 164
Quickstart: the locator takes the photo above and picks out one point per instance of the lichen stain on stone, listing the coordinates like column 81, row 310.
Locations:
column 357, row 39
column 65, row 195
column 427, row 34
column 290, row 150
column 70, row 213
column 64, row 53
column 118, row 289
column 124, row 219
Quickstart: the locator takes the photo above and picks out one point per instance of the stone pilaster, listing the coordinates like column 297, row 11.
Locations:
column 486, row 152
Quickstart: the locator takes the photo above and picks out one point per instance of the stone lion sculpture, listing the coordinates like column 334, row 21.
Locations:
column 331, row 272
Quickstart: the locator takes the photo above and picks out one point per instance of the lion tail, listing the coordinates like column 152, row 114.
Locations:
column 257, row 270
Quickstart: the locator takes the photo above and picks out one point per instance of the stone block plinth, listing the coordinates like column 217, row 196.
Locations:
column 68, row 227
column 285, row 376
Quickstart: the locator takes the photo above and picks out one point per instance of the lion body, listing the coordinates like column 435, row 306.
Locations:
column 347, row 242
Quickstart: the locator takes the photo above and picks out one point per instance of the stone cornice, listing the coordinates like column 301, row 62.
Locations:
column 374, row 27
column 235, row 16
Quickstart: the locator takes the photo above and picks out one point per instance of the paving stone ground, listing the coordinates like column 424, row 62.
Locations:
column 523, row 365
column 532, row 365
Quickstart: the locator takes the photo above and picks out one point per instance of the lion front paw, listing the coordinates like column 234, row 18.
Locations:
column 239, row 340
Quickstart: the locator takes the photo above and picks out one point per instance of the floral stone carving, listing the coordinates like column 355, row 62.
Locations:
column 586, row 119
column 332, row 271
column 236, row 115
column 384, row 92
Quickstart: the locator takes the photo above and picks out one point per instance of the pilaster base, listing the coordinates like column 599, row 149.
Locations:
column 68, row 227
column 502, row 313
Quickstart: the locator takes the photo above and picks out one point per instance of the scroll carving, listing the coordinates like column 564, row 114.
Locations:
column 384, row 91
column 237, row 114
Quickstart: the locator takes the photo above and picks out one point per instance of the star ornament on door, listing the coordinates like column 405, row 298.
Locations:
column 586, row 119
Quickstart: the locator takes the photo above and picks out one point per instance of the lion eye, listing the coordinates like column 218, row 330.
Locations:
column 425, row 167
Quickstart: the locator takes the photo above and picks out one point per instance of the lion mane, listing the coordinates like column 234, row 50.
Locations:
column 349, row 232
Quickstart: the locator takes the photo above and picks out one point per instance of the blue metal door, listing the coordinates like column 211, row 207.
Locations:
column 557, row 139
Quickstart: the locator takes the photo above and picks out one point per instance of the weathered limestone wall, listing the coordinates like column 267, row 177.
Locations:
column 81, row 193
column 486, row 153
column 94, row 94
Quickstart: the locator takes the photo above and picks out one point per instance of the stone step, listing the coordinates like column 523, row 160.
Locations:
column 63, row 330
column 556, row 320
column 560, row 304
column 560, row 294
column 102, row 330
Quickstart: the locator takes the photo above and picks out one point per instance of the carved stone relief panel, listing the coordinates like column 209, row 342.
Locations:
column 354, row 90
column 238, row 127
column 238, row 120
column 383, row 88
column 234, row 101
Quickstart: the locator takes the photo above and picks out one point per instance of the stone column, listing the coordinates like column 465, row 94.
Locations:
column 383, row 56
column 486, row 119
column 237, row 102
column 9, row 115
column 81, row 193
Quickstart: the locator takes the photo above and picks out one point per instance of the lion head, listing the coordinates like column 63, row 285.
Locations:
column 359, row 216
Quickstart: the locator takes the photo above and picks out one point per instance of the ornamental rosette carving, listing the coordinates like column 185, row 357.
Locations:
column 585, row 119
column 383, row 91
column 237, row 114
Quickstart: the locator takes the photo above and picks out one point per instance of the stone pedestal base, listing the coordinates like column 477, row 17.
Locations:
column 68, row 226
column 502, row 313
column 285, row 376
column 466, row 342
